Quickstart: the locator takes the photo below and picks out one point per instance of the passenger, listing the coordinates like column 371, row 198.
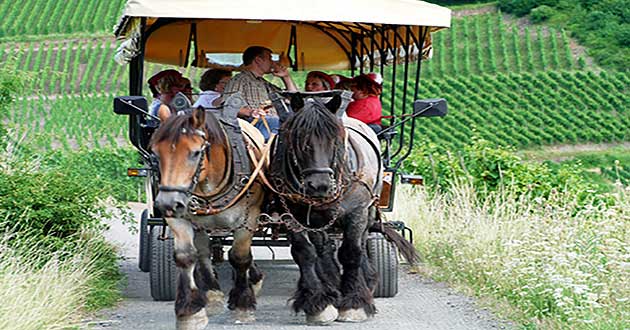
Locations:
column 153, row 82
column 186, row 88
column 168, row 86
column 317, row 81
column 212, row 85
column 366, row 105
column 341, row 82
column 255, row 89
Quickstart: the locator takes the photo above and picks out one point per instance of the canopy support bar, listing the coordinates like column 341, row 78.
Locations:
column 136, row 66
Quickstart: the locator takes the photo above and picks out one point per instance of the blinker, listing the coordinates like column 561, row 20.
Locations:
column 137, row 172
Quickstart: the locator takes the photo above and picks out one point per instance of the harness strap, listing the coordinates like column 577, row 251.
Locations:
column 259, row 165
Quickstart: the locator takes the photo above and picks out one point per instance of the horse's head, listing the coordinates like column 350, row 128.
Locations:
column 315, row 146
column 182, row 146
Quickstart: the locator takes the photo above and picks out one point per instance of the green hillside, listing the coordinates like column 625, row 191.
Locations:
column 510, row 83
column 529, row 109
column 22, row 19
column 482, row 44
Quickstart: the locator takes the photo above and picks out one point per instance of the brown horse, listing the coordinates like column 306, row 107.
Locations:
column 196, row 162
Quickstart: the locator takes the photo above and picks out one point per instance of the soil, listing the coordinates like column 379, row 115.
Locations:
column 476, row 11
column 420, row 303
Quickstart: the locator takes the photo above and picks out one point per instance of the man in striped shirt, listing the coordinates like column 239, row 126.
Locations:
column 255, row 89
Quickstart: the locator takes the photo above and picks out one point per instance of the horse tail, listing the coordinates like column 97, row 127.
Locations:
column 407, row 249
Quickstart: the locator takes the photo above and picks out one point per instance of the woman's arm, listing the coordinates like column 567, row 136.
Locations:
column 164, row 112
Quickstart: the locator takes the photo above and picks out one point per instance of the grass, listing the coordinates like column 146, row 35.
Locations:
column 40, row 289
column 556, row 264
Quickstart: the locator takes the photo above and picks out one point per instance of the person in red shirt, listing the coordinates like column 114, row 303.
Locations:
column 366, row 105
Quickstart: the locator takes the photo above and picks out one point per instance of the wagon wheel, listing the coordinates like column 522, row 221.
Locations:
column 384, row 258
column 144, row 255
column 163, row 272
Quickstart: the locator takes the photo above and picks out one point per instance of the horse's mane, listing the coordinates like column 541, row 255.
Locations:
column 313, row 121
column 177, row 125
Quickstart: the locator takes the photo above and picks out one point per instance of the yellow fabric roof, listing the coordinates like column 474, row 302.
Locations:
column 327, row 33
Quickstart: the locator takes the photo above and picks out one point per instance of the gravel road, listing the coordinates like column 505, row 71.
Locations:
column 420, row 303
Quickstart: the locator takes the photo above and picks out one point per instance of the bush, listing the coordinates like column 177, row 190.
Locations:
column 50, row 223
column 104, row 169
column 11, row 84
column 59, row 193
column 541, row 14
column 601, row 26
column 523, row 7
column 489, row 167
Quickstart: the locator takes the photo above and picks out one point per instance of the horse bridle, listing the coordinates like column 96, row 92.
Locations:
column 298, row 178
column 204, row 153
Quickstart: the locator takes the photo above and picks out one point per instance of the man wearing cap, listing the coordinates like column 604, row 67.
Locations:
column 255, row 89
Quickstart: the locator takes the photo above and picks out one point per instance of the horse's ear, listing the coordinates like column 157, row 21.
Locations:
column 297, row 102
column 334, row 104
column 198, row 117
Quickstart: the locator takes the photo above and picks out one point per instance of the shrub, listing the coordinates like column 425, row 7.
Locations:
column 523, row 7
column 55, row 195
column 50, row 222
column 489, row 167
column 541, row 14
column 104, row 169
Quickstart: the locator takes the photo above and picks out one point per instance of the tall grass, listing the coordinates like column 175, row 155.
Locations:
column 557, row 263
column 40, row 289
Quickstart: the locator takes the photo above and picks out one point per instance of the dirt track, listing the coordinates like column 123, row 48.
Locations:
column 420, row 303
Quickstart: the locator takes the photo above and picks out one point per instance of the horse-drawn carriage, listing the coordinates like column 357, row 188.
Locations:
column 387, row 36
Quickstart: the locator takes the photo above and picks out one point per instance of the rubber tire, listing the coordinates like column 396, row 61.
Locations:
column 384, row 257
column 163, row 273
column 144, row 253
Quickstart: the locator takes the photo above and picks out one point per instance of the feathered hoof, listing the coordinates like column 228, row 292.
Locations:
column 243, row 316
column 216, row 303
column 197, row 321
column 325, row 317
column 258, row 286
column 352, row 315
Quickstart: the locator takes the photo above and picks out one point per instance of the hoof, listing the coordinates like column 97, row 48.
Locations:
column 197, row 321
column 352, row 315
column 243, row 316
column 325, row 317
column 216, row 304
column 258, row 286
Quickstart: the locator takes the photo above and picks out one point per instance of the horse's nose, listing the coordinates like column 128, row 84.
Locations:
column 318, row 187
column 171, row 204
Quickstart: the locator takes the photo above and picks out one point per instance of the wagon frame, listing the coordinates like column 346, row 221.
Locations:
column 395, row 50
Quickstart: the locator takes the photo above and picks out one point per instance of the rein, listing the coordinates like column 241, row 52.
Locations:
column 206, row 207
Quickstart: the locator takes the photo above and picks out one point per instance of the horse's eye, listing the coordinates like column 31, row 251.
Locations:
column 195, row 154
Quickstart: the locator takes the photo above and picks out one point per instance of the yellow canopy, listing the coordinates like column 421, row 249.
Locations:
column 322, row 34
